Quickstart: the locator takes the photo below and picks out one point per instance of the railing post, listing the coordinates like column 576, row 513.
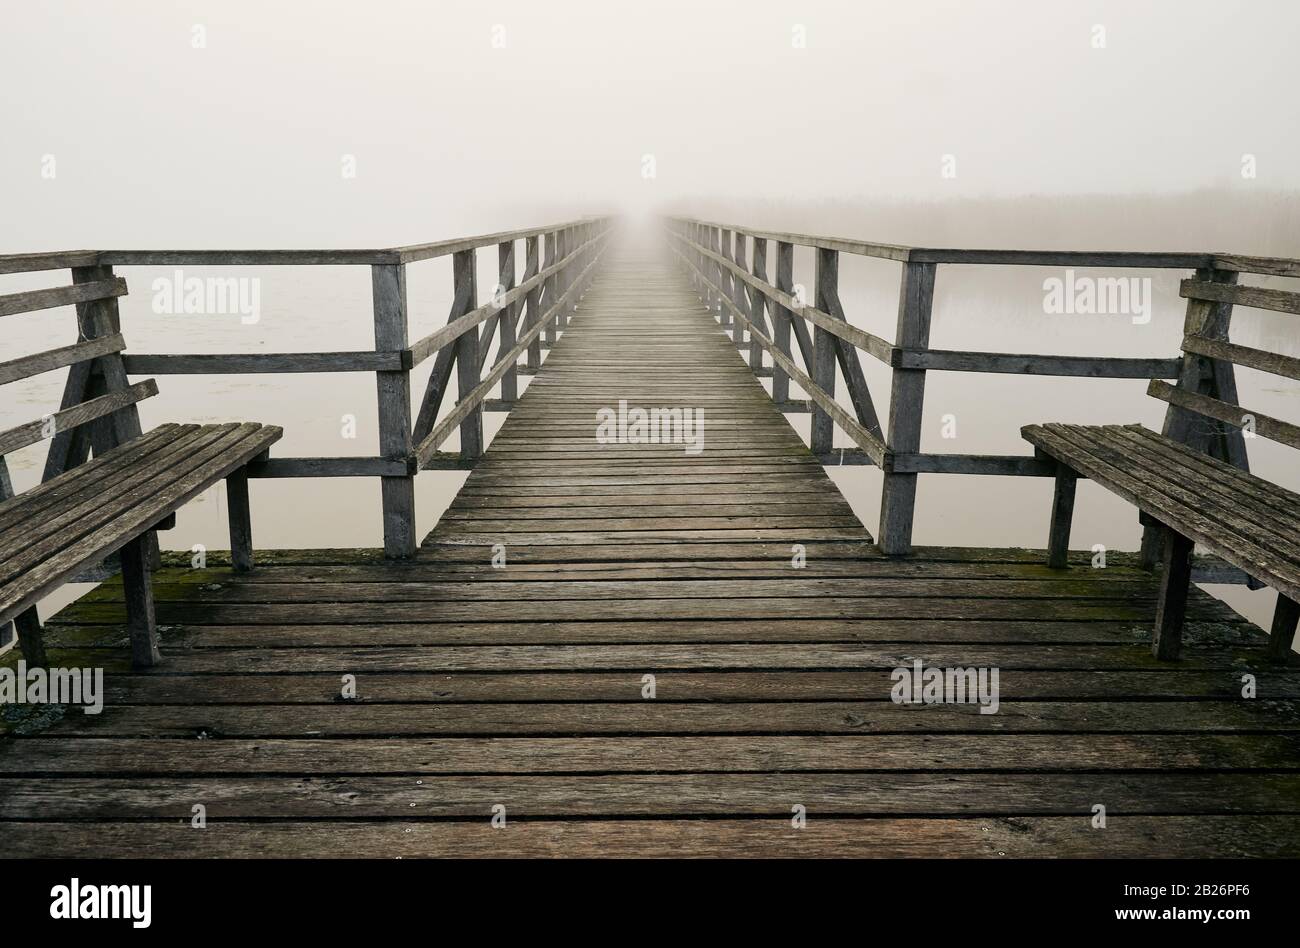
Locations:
column 757, row 302
column 781, row 319
column 532, row 300
column 388, row 285
column 715, row 269
column 823, row 374
column 1204, row 376
column 467, row 367
column 551, row 285
column 507, row 269
column 688, row 230
column 724, row 280
column 739, row 296
column 566, row 278
column 907, row 397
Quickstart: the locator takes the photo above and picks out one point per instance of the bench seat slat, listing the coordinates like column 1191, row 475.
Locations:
column 1187, row 485
column 1249, row 490
column 149, row 485
column 1074, row 446
column 134, row 509
column 44, row 493
column 90, row 500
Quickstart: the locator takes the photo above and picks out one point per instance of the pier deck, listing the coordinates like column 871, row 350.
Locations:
column 525, row 686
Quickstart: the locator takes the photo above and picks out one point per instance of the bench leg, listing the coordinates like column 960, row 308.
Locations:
column 1152, row 549
column 137, row 583
column 241, row 521
column 1171, row 607
column 30, row 638
column 1058, row 538
column 1285, row 617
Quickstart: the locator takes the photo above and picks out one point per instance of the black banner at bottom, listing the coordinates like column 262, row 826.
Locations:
column 334, row 897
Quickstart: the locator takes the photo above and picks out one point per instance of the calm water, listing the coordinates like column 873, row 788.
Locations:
column 326, row 309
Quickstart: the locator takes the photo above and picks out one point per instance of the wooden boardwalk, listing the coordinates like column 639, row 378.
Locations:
column 525, row 686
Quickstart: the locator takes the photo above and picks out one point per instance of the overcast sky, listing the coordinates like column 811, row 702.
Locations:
column 228, row 122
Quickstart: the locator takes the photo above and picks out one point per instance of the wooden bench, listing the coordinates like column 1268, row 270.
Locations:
column 1191, row 484
column 86, row 508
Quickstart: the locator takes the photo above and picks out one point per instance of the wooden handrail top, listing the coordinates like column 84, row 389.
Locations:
column 382, row 256
column 1137, row 259
column 413, row 253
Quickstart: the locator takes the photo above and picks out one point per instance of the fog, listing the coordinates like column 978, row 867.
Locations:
column 226, row 123
column 1118, row 125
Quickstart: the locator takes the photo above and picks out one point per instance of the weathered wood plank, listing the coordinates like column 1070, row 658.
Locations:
column 34, row 300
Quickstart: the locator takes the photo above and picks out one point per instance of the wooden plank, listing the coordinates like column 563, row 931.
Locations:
column 52, row 359
column 349, row 720
column 822, row 429
column 993, row 753
column 1278, row 301
column 1024, row 837
column 85, row 502
column 57, row 260
column 1270, row 266
column 509, row 318
column 1026, row 364
column 35, row 431
column 837, row 244
column 249, row 258
column 330, row 467
column 445, row 248
column 1110, row 259
column 470, row 417
column 239, row 515
column 1234, row 415
column 1258, row 359
column 1171, row 608
column 906, row 403
column 703, row 686
column 1058, row 536
column 30, row 301
column 136, row 582
column 1286, row 615
column 781, row 317
column 253, row 363
column 989, row 464
column 388, row 285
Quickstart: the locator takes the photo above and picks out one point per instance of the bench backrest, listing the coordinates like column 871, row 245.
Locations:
column 1207, row 385
column 98, row 410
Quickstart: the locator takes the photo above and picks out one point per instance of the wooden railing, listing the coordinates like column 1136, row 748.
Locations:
column 559, row 260
column 729, row 267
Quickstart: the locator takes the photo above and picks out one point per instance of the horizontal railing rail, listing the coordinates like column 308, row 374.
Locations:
column 728, row 266
column 559, row 262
